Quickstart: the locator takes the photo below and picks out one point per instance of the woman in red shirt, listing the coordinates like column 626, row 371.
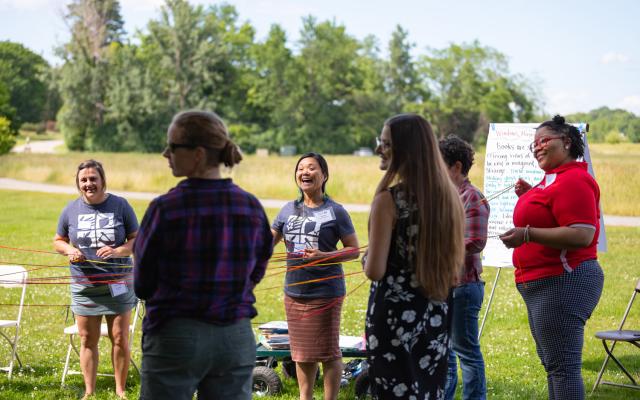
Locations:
column 554, row 240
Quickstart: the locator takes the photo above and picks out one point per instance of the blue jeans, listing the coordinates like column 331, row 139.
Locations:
column 467, row 301
column 186, row 355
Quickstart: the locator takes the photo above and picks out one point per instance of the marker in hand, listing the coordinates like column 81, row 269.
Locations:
column 522, row 187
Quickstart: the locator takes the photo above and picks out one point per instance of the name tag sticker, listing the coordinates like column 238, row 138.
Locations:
column 118, row 288
column 324, row 216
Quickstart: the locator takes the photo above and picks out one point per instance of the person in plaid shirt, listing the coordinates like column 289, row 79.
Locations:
column 202, row 248
column 469, row 293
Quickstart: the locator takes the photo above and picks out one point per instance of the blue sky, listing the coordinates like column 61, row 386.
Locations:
column 582, row 54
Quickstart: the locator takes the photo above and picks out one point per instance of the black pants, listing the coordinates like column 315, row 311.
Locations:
column 558, row 308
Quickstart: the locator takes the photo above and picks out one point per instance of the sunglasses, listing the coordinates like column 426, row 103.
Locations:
column 172, row 147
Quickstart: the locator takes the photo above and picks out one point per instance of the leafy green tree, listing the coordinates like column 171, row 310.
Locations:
column 7, row 136
column 403, row 83
column 192, row 57
column 6, row 109
column 135, row 108
column 471, row 84
column 603, row 120
column 22, row 71
column 96, row 28
column 189, row 52
column 270, row 85
column 370, row 99
column 326, row 78
column 53, row 101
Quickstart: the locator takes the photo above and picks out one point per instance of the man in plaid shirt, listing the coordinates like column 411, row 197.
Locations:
column 468, row 295
column 200, row 251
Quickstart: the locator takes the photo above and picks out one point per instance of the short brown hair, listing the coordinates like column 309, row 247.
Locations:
column 206, row 129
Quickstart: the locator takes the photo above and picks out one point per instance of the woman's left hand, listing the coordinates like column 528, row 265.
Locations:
column 106, row 252
column 513, row 237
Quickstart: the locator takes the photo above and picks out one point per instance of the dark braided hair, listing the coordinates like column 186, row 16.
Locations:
column 560, row 127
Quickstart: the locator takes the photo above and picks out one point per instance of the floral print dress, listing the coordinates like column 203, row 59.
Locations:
column 407, row 334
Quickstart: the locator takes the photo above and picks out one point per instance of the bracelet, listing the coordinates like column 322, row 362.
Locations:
column 527, row 238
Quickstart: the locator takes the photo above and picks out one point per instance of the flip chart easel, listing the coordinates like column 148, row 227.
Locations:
column 507, row 159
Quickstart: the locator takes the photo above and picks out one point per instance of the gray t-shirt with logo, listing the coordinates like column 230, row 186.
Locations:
column 90, row 227
column 320, row 228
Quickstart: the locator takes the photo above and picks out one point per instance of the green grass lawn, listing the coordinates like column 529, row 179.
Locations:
column 28, row 220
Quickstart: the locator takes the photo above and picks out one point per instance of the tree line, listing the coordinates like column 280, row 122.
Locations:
column 328, row 91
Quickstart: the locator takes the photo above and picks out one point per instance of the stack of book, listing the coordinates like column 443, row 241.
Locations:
column 274, row 335
column 352, row 343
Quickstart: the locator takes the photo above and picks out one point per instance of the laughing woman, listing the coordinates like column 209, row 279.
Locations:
column 311, row 227
column 96, row 232
column 555, row 254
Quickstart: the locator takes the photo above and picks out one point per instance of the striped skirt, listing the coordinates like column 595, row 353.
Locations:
column 314, row 328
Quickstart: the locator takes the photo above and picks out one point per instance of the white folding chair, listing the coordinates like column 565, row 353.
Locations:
column 72, row 331
column 13, row 276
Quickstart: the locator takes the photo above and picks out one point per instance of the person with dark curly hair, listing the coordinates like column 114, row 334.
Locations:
column 468, row 295
column 555, row 254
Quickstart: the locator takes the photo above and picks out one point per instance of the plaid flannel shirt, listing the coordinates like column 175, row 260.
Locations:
column 476, row 209
column 200, row 251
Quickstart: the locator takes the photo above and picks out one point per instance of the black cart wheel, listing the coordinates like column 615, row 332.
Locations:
column 266, row 382
column 363, row 386
column 289, row 370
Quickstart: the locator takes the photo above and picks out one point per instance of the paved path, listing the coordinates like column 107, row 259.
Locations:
column 14, row 184
column 38, row 146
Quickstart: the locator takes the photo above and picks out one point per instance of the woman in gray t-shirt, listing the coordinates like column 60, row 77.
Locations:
column 96, row 232
column 311, row 228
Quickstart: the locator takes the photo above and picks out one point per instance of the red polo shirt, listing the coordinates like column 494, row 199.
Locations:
column 566, row 196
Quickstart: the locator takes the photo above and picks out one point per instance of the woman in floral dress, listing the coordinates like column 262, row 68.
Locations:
column 416, row 247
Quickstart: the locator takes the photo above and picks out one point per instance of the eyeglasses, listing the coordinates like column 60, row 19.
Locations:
column 542, row 142
column 385, row 145
column 173, row 146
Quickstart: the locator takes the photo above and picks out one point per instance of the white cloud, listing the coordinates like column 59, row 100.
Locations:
column 631, row 103
column 612, row 58
column 568, row 102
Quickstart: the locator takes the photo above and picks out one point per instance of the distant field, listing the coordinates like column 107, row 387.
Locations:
column 352, row 179
column 28, row 221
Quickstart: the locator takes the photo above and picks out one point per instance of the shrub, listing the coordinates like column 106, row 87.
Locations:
column 615, row 137
column 37, row 127
column 7, row 138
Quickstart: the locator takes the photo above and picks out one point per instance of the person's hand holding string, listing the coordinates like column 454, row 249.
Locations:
column 522, row 187
column 515, row 237
column 107, row 252
column 75, row 255
column 313, row 254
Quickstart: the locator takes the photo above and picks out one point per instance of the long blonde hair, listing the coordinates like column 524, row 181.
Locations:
column 417, row 165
